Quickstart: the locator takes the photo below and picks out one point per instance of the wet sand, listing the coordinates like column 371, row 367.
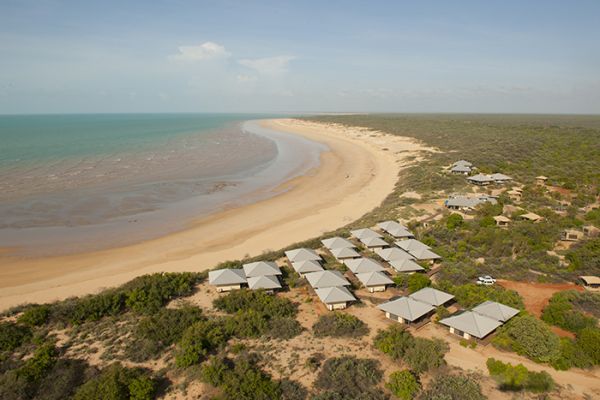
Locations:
column 354, row 176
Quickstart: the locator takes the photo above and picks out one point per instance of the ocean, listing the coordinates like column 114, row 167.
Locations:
column 73, row 183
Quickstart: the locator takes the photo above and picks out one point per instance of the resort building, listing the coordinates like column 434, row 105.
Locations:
column 393, row 253
column 337, row 243
column 466, row 204
column 530, row 217
column 497, row 311
column 432, row 296
column 335, row 298
column 325, row 279
column 411, row 245
column 395, row 229
column 590, row 282
column 406, row 266
column 227, row 279
column 363, row 265
column 375, row 281
column 541, row 180
column 469, row 324
column 364, row 234
column 261, row 268
column 303, row 254
column 502, row 221
column 267, row 282
column 461, row 169
column 426, row 255
column 571, row 235
column 515, row 195
column 306, row 267
column 406, row 310
column 480, row 180
column 500, row 178
column 374, row 242
column 344, row 253
column 591, row 231
column 464, row 163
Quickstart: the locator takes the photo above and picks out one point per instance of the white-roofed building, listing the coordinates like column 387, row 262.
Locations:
column 411, row 245
column 344, row 253
column 307, row 266
column 432, row 296
column 324, row 279
column 374, row 242
column 337, row 243
column 261, row 268
column 393, row 253
column 227, row 279
column 364, row 233
column 362, row 265
column 406, row 310
column 426, row 255
column 266, row 282
column 335, row 298
column 497, row 311
column 406, row 266
column 303, row 254
column 375, row 281
column 471, row 324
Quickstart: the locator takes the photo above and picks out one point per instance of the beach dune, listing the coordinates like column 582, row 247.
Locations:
column 354, row 176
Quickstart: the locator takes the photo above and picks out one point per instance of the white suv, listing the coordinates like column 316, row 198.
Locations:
column 486, row 280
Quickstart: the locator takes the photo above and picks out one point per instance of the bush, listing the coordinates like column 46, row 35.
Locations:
column 200, row 339
column 454, row 221
column 35, row 315
column 116, row 382
column 470, row 295
column 338, row 324
column 561, row 312
column 284, row 328
column 417, row 282
column 154, row 334
column 403, row 384
column 13, row 335
column 518, row 377
column 531, row 337
column 588, row 340
column 292, row 390
column 256, row 300
column 571, row 355
column 394, row 341
column 350, row 378
column 424, row 354
column 453, row 387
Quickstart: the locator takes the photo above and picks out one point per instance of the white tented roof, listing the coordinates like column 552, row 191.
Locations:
column 333, row 295
column 406, row 265
column 361, row 265
column 497, row 311
column 304, row 267
column 337, row 243
column 393, row 253
column 264, row 282
column 472, row 323
column 261, row 268
column 432, row 296
column 222, row 277
column 376, row 278
column 302, row 255
column 406, row 308
column 326, row 278
column 364, row 233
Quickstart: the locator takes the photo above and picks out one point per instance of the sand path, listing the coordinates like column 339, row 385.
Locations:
column 358, row 172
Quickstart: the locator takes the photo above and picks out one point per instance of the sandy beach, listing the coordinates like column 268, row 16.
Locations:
column 355, row 175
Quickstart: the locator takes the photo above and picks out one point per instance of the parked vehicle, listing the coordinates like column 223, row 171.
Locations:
column 486, row 280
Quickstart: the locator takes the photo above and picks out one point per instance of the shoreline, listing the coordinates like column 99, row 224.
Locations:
column 357, row 173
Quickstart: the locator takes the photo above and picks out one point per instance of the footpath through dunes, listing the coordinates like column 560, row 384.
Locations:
column 357, row 173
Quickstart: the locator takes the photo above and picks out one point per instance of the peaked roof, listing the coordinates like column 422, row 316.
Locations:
column 364, row 233
column 425, row 254
column 323, row 279
column 375, row 278
column 362, row 265
column 302, row 255
column 264, row 282
column 411, row 244
column 497, row 311
column 480, row 178
column 303, row 267
column 405, row 265
column 432, row 296
column 530, row 216
column 500, row 177
column 400, row 233
column 374, row 242
column 501, row 218
column 463, row 162
column 333, row 295
column 344, row 252
column 387, row 225
column 393, row 253
column 472, row 323
column 261, row 268
column 461, row 168
column 226, row 277
column 337, row 243
column 406, row 308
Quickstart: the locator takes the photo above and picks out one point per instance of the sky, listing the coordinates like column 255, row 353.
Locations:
column 301, row 56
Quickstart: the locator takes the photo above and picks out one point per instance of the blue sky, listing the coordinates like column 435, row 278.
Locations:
column 282, row 56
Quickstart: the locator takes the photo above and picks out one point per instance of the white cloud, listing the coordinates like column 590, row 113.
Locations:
column 206, row 51
column 246, row 78
column 268, row 65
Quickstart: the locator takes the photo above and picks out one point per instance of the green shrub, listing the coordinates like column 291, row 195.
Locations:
column 454, row 221
column 394, row 341
column 36, row 367
column 588, row 340
column 417, row 282
column 571, row 355
column 470, row 295
column 13, row 335
column 561, row 312
column 256, row 300
column 424, row 354
column 453, row 387
column 116, row 382
column 350, row 378
column 292, row 390
column 517, row 377
column 403, row 384
column 531, row 337
column 339, row 324
column 200, row 339
column 35, row 315
column 284, row 328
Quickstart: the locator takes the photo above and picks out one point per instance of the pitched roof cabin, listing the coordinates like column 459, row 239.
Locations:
column 375, row 281
column 302, row 254
column 590, row 282
column 571, row 235
column 227, row 279
column 335, row 298
column 502, row 221
column 406, row 310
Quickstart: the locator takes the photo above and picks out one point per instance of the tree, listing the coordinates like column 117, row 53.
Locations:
column 198, row 340
column 454, row 221
column 531, row 337
column 424, row 354
column 394, row 341
column 35, row 316
column 116, row 382
column 403, row 384
column 453, row 387
column 417, row 282
column 13, row 335
column 350, row 377
column 339, row 324
column 588, row 340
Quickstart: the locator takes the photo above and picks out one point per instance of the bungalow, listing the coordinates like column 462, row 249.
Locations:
column 374, row 242
column 571, row 235
column 401, row 233
column 406, row 265
column 266, row 282
column 461, row 169
column 426, row 255
column 335, row 298
column 261, row 268
column 502, row 221
column 480, row 180
column 375, row 281
column 531, row 217
column 497, row 311
column 393, row 253
column 362, row 265
column 500, row 178
column 411, row 244
column 344, row 253
column 389, row 226
column 307, row 266
column 515, row 195
column 470, row 324
column 432, row 296
column 325, row 279
column 462, row 163
column 465, row 203
column 406, row 310
column 227, row 279
column 591, row 282
column 365, row 233
column 337, row 243
column 303, row 254
column 541, row 180
column 591, row 231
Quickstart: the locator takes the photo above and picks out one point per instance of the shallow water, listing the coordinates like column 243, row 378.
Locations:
column 84, row 194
